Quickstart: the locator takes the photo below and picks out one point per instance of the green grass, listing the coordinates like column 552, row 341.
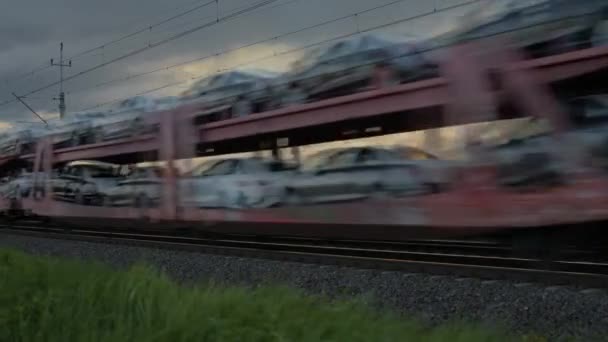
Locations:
column 48, row 299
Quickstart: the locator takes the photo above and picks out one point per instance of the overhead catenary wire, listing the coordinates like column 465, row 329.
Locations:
column 20, row 99
column 32, row 72
column 211, row 55
column 145, row 29
column 217, row 14
column 394, row 22
column 438, row 47
column 150, row 46
column 232, row 16
column 45, row 66
column 305, row 47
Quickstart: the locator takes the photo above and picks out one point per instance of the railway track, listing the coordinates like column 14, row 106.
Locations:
column 469, row 258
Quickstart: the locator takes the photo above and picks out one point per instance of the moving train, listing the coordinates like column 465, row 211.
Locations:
column 90, row 171
column 343, row 67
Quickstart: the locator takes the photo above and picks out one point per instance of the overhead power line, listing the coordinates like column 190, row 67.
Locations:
column 145, row 29
column 105, row 45
column 258, row 42
column 305, row 47
column 150, row 46
column 438, row 47
column 198, row 59
column 45, row 66
column 20, row 99
column 215, row 15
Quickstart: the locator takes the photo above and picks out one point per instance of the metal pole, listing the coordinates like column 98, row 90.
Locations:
column 61, row 64
column 61, row 94
column 61, row 67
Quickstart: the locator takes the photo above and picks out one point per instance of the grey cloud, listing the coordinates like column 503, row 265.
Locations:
column 29, row 36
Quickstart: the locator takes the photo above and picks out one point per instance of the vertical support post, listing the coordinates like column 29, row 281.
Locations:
column 61, row 65
column 61, row 93
column 37, row 166
column 47, row 164
column 186, row 149
column 276, row 153
column 43, row 165
column 472, row 97
column 433, row 140
column 174, row 145
column 383, row 76
column 535, row 99
column 167, row 154
column 295, row 151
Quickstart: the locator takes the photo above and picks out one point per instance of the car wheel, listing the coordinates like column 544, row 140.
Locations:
column 224, row 201
column 74, row 140
column 106, row 201
column 379, row 192
column 38, row 193
column 265, row 202
column 79, row 198
column 136, row 128
column 599, row 35
column 433, row 188
column 98, row 136
column 241, row 201
column 142, row 201
column 292, row 198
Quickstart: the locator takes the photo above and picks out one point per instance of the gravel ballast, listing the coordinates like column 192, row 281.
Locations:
column 550, row 311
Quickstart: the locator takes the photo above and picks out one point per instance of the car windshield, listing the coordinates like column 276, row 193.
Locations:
column 416, row 154
column 318, row 160
column 253, row 165
column 146, row 171
column 199, row 170
column 495, row 10
column 216, row 167
column 102, row 172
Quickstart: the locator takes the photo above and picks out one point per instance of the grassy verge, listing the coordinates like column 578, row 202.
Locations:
column 47, row 299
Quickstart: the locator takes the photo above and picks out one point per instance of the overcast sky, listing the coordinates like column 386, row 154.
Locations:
column 31, row 30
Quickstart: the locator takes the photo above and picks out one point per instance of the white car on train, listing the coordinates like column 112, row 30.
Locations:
column 21, row 138
column 223, row 183
column 73, row 130
column 125, row 120
column 85, row 181
column 230, row 94
column 140, row 188
column 18, row 187
column 349, row 65
column 354, row 173
column 236, row 183
column 544, row 27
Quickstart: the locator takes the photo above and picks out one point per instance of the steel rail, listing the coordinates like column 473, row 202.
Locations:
column 448, row 262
